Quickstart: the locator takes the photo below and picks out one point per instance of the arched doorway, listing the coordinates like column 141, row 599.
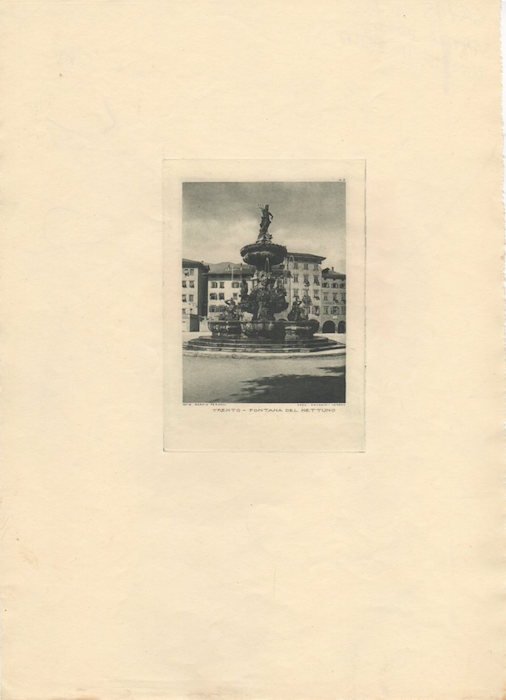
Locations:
column 341, row 327
column 329, row 327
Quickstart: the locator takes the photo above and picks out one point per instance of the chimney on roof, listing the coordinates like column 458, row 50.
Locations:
column 332, row 269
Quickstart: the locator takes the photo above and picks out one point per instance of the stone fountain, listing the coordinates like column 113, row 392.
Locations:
column 254, row 324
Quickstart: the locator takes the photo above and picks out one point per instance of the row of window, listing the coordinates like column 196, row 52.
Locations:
column 295, row 278
column 221, row 297
column 297, row 291
column 326, row 297
column 316, row 279
column 335, row 297
column 305, row 266
column 333, row 310
column 214, row 285
column 189, row 271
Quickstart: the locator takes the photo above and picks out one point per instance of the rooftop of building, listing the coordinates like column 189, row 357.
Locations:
column 227, row 268
column 195, row 263
column 306, row 256
column 330, row 273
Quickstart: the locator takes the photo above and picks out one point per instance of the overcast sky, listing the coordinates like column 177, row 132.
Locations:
column 220, row 217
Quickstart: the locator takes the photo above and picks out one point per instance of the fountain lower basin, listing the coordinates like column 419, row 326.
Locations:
column 276, row 330
column 267, row 336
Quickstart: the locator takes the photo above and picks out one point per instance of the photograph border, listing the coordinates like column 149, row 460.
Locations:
column 230, row 427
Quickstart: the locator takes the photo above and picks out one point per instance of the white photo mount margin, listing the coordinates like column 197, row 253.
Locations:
column 270, row 427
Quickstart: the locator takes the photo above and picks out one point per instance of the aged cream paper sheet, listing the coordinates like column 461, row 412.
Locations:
column 133, row 572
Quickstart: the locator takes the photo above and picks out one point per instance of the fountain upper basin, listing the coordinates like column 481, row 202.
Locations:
column 261, row 252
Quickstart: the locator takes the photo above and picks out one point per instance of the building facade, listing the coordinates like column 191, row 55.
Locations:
column 305, row 275
column 193, row 293
column 224, row 282
column 206, row 288
column 333, row 309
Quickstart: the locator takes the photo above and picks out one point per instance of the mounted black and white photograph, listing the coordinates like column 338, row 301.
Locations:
column 263, row 292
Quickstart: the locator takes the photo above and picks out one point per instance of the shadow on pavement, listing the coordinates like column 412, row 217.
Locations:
column 295, row 388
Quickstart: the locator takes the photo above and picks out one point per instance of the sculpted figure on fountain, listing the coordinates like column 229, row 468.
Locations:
column 297, row 312
column 232, row 311
column 265, row 222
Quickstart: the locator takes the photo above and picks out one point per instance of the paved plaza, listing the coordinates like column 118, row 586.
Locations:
column 308, row 379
